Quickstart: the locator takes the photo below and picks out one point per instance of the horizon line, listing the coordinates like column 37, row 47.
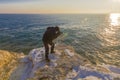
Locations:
column 58, row 13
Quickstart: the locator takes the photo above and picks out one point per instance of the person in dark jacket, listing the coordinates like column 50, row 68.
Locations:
column 50, row 34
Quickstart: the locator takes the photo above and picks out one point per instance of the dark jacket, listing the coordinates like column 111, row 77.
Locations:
column 50, row 34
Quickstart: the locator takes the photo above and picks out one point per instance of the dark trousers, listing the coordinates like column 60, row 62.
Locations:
column 46, row 44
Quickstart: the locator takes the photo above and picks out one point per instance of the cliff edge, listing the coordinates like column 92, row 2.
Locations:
column 65, row 64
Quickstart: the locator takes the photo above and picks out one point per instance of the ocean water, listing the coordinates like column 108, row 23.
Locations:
column 94, row 36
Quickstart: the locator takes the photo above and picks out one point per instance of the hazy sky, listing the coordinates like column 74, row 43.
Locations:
column 59, row 6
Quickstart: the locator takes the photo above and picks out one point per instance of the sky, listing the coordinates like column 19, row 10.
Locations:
column 59, row 6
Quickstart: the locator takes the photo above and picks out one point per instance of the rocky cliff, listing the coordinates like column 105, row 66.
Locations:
column 65, row 64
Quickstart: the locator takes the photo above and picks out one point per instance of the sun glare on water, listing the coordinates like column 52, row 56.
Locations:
column 115, row 19
column 109, row 32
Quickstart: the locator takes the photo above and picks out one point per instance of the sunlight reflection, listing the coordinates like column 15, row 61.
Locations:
column 114, row 19
column 110, row 32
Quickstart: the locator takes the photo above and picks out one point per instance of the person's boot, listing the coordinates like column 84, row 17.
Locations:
column 52, row 52
column 46, row 58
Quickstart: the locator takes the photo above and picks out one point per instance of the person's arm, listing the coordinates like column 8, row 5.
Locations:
column 57, row 33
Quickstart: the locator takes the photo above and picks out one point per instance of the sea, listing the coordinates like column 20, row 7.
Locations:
column 95, row 37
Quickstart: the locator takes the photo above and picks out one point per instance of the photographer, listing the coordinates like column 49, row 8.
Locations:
column 50, row 34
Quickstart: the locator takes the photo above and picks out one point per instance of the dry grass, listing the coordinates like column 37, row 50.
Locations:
column 8, row 62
